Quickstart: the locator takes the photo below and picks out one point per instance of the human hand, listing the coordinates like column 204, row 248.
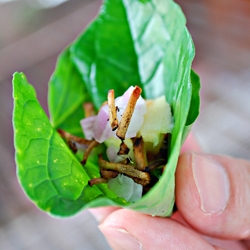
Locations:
column 213, row 202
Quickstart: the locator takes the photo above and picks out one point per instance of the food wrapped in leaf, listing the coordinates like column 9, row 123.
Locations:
column 122, row 100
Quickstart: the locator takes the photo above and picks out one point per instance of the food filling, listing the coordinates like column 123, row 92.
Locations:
column 136, row 133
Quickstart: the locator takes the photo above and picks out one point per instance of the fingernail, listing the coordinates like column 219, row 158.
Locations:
column 120, row 239
column 212, row 183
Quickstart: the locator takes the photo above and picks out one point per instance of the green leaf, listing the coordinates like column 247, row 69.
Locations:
column 195, row 101
column 66, row 96
column 51, row 176
column 194, row 105
column 131, row 42
column 105, row 54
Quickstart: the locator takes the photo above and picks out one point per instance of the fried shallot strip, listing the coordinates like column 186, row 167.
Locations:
column 128, row 170
column 112, row 110
column 88, row 109
column 124, row 149
column 97, row 181
column 155, row 164
column 69, row 137
column 87, row 152
column 127, row 115
column 108, row 174
column 140, row 153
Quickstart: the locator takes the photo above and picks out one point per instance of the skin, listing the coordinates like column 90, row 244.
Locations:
column 192, row 226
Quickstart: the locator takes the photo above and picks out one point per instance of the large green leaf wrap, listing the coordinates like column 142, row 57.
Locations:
column 131, row 42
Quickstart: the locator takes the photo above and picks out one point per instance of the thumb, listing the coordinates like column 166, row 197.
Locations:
column 213, row 194
column 125, row 229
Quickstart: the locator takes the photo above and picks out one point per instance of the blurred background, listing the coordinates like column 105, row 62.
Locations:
column 34, row 32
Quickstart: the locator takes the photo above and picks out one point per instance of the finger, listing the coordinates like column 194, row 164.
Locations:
column 213, row 194
column 126, row 229
column 101, row 213
column 224, row 244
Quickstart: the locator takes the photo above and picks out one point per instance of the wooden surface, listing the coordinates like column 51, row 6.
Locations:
column 30, row 41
